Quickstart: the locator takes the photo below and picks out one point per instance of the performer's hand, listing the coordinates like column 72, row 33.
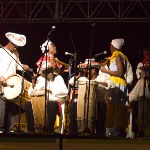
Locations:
column 49, row 91
column 104, row 84
column 26, row 67
column 2, row 79
column 103, row 69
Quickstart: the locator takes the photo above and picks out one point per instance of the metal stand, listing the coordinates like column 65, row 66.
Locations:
column 87, row 130
column 141, row 132
column 21, row 98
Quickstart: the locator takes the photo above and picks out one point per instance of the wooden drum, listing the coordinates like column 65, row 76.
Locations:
column 38, row 106
column 86, row 105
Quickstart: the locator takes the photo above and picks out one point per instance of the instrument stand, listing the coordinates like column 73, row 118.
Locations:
column 21, row 98
column 73, row 107
column 45, row 129
column 66, row 129
column 87, row 130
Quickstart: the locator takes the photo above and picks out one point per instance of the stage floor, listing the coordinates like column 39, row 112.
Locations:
column 69, row 142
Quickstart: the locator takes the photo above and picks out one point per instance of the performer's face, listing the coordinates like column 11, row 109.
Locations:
column 13, row 47
column 52, row 49
column 146, row 55
column 50, row 76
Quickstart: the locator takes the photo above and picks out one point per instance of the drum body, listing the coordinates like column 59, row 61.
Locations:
column 16, row 89
column 86, row 106
column 38, row 106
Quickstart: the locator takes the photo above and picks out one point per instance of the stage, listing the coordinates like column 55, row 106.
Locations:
column 47, row 141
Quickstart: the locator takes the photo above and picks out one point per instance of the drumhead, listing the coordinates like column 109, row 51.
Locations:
column 37, row 93
column 14, row 87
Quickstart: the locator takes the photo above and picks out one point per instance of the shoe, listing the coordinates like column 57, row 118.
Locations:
column 1, row 132
column 11, row 131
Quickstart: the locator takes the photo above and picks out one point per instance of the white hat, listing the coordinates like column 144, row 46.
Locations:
column 117, row 43
column 17, row 39
column 44, row 44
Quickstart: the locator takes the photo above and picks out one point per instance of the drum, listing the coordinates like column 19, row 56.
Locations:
column 16, row 84
column 38, row 106
column 86, row 105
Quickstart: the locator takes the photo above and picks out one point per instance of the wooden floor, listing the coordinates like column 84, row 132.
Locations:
column 69, row 142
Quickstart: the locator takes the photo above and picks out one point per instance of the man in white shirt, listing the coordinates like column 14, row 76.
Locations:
column 57, row 93
column 9, row 63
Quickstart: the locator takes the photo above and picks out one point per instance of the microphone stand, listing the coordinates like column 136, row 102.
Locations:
column 87, row 130
column 73, row 106
column 67, row 111
column 45, row 119
column 143, row 104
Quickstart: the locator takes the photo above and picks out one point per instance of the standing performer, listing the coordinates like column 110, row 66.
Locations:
column 8, row 67
column 51, row 60
column 116, row 113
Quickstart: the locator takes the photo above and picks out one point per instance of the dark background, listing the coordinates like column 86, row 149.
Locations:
column 71, row 37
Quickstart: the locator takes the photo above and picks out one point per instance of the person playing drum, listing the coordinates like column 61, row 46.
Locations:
column 83, row 110
column 9, row 63
column 57, row 93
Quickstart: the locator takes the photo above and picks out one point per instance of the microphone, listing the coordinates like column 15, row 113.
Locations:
column 103, row 53
column 66, row 53
column 52, row 29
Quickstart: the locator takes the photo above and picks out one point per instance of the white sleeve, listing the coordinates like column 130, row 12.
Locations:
column 137, row 91
column 138, row 71
column 59, row 89
column 129, row 74
column 71, row 81
column 19, row 66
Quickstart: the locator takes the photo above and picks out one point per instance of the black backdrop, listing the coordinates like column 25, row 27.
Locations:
column 136, row 36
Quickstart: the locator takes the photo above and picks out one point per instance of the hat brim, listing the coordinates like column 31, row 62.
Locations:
column 19, row 41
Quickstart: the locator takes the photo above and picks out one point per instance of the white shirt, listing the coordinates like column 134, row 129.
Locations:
column 129, row 73
column 58, row 88
column 138, row 71
column 8, row 65
column 138, row 91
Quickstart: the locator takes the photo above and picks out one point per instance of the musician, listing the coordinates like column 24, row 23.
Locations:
column 116, row 113
column 146, row 60
column 48, row 48
column 136, row 96
column 57, row 93
column 9, row 63
column 86, row 72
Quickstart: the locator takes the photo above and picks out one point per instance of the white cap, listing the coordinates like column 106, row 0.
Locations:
column 117, row 43
column 17, row 39
column 44, row 44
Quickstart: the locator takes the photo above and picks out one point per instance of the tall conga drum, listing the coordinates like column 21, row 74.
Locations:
column 38, row 106
column 86, row 106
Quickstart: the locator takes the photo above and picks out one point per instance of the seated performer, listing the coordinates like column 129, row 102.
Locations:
column 145, row 61
column 82, row 81
column 57, row 93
